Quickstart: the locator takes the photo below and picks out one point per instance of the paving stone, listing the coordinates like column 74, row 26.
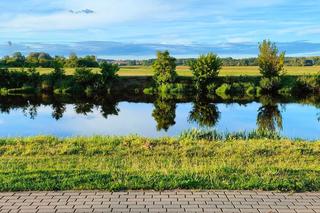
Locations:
column 166, row 201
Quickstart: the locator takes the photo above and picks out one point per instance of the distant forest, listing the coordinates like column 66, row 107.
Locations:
column 42, row 59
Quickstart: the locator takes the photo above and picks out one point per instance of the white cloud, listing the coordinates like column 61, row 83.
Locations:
column 105, row 13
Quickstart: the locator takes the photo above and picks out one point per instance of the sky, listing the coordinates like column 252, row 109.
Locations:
column 138, row 28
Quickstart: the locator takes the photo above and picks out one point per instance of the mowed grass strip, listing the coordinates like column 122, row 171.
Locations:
column 185, row 71
column 132, row 162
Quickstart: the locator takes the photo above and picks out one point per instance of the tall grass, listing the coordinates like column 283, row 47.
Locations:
column 196, row 134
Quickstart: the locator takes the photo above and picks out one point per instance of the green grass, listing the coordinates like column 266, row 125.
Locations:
column 132, row 162
column 184, row 71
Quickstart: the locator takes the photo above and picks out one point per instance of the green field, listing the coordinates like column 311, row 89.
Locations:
column 132, row 162
column 184, row 71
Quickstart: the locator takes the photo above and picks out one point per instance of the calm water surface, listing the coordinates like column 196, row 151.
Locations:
column 161, row 118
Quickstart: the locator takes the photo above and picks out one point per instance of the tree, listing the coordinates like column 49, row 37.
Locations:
column 18, row 59
column 84, row 77
column 108, row 71
column 164, row 68
column 34, row 76
column 88, row 61
column 57, row 73
column 72, row 61
column 271, row 62
column 205, row 70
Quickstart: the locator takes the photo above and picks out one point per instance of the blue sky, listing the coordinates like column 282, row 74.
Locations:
column 137, row 28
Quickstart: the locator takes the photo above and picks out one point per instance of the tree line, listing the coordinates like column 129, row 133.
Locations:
column 42, row 59
column 206, row 68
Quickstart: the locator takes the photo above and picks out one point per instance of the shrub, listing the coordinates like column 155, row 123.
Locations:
column 270, row 84
column 34, row 77
column 25, row 89
column 4, row 91
column 149, row 91
column 164, row 68
column 108, row 71
column 307, row 84
column 251, row 91
column 46, row 86
column 18, row 78
column 223, row 90
column 5, row 77
column 172, row 88
column 258, row 91
column 84, row 77
column 62, row 91
column 205, row 70
column 270, row 62
column 212, row 88
column 57, row 74
column 237, row 89
column 285, row 91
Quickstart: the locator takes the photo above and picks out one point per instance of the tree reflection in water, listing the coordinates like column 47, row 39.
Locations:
column 269, row 116
column 30, row 111
column 204, row 113
column 164, row 112
column 109, row 107
column 58, row 109
column 84, row 108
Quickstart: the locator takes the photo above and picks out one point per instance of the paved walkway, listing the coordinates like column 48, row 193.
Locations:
column 167, row 201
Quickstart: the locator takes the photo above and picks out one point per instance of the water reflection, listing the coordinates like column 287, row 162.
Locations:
column 109, row 107
column 162, row 114
column 204, row 113
column 269, row 116
column 58, row 109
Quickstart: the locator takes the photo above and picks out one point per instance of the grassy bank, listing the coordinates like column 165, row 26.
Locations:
column 185, row 71
column 115, row 163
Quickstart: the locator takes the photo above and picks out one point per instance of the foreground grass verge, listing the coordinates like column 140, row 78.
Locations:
column 119, row 163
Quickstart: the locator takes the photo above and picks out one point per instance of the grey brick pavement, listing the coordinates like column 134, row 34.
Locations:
column 166, row 201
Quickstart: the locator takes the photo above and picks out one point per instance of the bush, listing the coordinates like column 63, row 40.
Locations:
column 34, row 77
column 62, row 91
column 285, row 91
column 4, row 91
column 13, row 79
column 258, row 91
column 205, row 70
column 57, row 74
column 172, row 88
column 223, row 90
column 84, row 77
column 5, row 78
column 251, row 91
column 149, row 91
column 307, row 84
column 108, row 71
column 271, row 85
column 212, row 88
column 46, row 86
column 25, row 89
column 237, row 89
column 63, row 86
